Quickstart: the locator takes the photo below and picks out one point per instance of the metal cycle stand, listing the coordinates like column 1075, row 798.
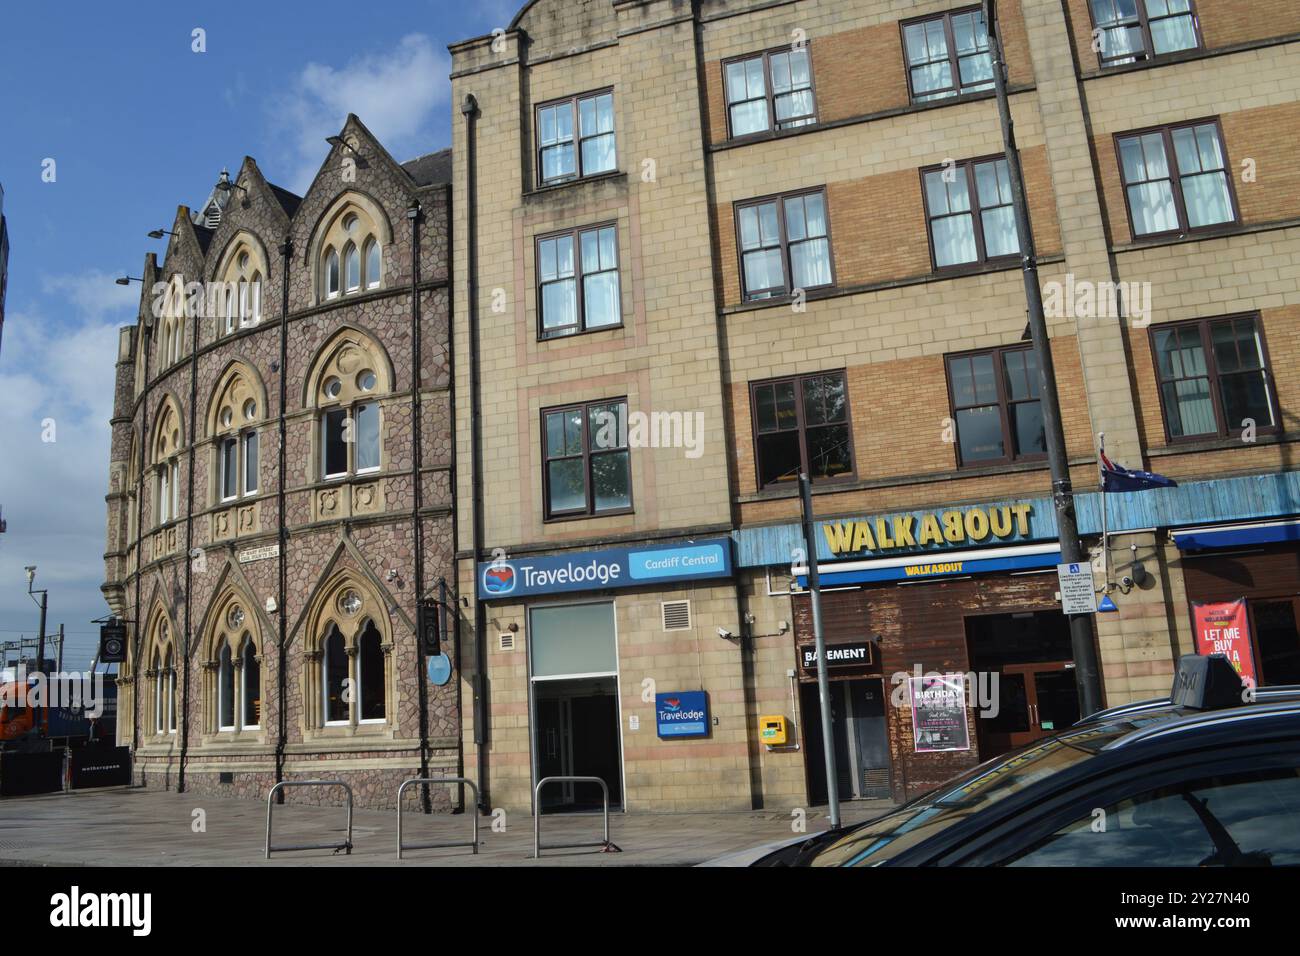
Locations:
column 609, row 846
column 430, row 846
column 346, row 845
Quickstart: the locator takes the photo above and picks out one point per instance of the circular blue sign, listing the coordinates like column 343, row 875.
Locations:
column 440, row 669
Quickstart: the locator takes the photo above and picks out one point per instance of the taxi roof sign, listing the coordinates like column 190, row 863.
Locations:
column 1206, row 682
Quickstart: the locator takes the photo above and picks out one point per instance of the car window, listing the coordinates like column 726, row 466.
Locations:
column 989, row 783
column 1250, row 818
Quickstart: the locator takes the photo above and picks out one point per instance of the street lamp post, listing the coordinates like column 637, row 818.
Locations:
column 1087, row 677
column 40, row 639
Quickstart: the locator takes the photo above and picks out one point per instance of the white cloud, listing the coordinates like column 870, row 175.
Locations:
column 394, row 93
column 93, row 294
column 52, row 493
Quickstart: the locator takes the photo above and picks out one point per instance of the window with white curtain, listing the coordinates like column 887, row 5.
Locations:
column 969, row 212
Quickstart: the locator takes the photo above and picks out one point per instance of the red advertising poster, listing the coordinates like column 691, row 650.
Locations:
column 1224, row 628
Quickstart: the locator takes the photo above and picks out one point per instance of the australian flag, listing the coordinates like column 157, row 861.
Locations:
column 1118, row 478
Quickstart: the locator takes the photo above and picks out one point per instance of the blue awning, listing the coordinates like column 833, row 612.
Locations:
column 1236, row 535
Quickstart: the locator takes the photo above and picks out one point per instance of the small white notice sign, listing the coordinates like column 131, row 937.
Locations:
column 259, row 554
column 1077, row 594
column 633, row 722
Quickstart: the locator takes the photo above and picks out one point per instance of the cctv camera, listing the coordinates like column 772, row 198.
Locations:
column 723, row 632
column 1126, row 582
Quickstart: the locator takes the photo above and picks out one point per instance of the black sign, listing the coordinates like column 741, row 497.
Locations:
column 852, row 654
column 112, row 643
column 100, row 766
column 430, row 626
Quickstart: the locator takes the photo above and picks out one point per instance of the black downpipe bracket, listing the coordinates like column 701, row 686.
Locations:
column 470, row 111
column 189, row 564
column 282, row 530
column 413, row 217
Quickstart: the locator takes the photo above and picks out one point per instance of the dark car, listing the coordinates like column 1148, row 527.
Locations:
column 1197, row 779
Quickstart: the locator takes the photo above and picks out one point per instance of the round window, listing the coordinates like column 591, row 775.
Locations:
column 333, row 388
column 366, row 381
column 226, row 417
column 349, row 602
column 350, row 223
column 243, row 260
column 235, row 617
column 250, row 410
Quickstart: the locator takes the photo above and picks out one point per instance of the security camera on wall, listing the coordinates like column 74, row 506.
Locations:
column 723, row 633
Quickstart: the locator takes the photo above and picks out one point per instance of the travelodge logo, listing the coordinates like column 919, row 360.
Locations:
column 498, row 579
column 672, row 705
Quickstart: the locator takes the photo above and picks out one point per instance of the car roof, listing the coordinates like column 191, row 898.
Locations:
column 1263, row 695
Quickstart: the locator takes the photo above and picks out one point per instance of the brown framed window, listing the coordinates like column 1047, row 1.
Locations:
column 996, row 406
column 969, row 212
column 1176, row 178
column 784, row 244
column 769, row 91
column 947, row 55
column 575, row 137
column 1214, row 377
column 577, row 281
column 801, row 424
column 1133, row 31
column 586, row 467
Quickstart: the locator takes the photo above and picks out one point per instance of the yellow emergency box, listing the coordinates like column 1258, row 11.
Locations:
column 772, row 730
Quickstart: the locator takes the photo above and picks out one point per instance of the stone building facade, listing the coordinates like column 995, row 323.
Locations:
column 273, row 608
column 791, row 219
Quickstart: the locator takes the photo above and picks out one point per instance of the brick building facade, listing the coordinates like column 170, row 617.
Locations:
column 792, row 220
column 273, row 609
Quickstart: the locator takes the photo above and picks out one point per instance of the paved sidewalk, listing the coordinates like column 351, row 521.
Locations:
column 121, row 827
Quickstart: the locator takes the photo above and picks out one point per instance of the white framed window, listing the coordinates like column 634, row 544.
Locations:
column 250, row 462
column 331, row 273
column 350, row 440
column 255, row 299
column 334, row 679
column 159, row 714
column 225, row 690
column 351, row 268
column 372, row 264
column 370, row 677
column 250, row 688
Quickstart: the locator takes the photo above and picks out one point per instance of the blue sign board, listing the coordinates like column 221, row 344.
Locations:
column 439, row 669
column 932, row 567
column 684, row 713
column 607, row 569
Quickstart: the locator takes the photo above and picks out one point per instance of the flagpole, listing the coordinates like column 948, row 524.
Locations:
column 1087, row 672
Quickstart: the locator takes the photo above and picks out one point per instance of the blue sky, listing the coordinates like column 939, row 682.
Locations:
column 137, row 123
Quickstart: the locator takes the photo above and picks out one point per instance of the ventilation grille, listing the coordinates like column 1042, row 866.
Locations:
column 875, row 783
column 213, row 216
column 507, row 640
column 676, row 615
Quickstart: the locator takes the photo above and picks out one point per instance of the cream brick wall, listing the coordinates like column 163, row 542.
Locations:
column 675, row 352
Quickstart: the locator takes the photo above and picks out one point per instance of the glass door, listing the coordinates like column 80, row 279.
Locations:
column 1277, row 640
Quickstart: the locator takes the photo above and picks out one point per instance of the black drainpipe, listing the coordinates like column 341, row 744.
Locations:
column 470, row 111
column 282, row 532
column 452, row 614
column 145, row 329
column 189, row 561
column 413, row 217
